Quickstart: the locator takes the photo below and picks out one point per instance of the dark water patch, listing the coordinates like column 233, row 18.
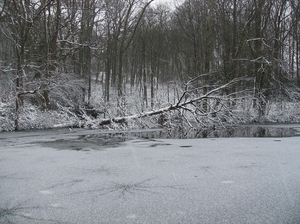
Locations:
column 114, row 139
column 159, row 144
column 231, row 131
column 88, row 142
column 272, row 130
column 216, row 132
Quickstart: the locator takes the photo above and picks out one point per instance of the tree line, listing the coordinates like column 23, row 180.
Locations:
column 52, row 51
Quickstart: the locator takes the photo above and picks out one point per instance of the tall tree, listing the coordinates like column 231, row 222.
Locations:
column 123, row 18
column 85, row 53
column 19, row 20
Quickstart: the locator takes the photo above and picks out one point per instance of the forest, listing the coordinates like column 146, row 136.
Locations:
column 140, row 64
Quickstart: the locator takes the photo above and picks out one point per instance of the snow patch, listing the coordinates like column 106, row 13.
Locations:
column 227, row 182
column 131, row 216
column 46, row 192
column 56, row 205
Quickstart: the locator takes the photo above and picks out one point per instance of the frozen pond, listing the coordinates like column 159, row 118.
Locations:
column 83, row 176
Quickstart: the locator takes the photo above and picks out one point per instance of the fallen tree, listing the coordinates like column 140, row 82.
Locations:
column 182, row 104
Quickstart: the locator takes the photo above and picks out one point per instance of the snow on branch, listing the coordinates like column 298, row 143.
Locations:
column 29, row 91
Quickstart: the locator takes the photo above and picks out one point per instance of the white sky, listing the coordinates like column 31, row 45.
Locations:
column 171, row 2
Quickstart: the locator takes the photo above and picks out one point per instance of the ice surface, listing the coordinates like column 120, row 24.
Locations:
column 224, row 180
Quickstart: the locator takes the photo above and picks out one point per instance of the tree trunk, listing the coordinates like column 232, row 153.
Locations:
column 208, row 52
column 259, row 100
column 152, row 87
column 87, row 25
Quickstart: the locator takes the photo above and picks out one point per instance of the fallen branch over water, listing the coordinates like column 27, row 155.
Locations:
column 179, row 105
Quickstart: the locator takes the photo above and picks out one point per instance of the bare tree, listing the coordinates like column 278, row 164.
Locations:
column 19, row 20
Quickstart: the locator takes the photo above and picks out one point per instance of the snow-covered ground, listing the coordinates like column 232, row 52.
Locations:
column 60, row 177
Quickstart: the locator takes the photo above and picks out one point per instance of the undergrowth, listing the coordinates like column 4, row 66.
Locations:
column 33, row 117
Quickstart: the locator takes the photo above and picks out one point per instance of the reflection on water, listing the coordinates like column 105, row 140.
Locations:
column 87, row 141
column 226, row 132
column 180, row 132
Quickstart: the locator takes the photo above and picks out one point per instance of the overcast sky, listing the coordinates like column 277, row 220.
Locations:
column 168, row 1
